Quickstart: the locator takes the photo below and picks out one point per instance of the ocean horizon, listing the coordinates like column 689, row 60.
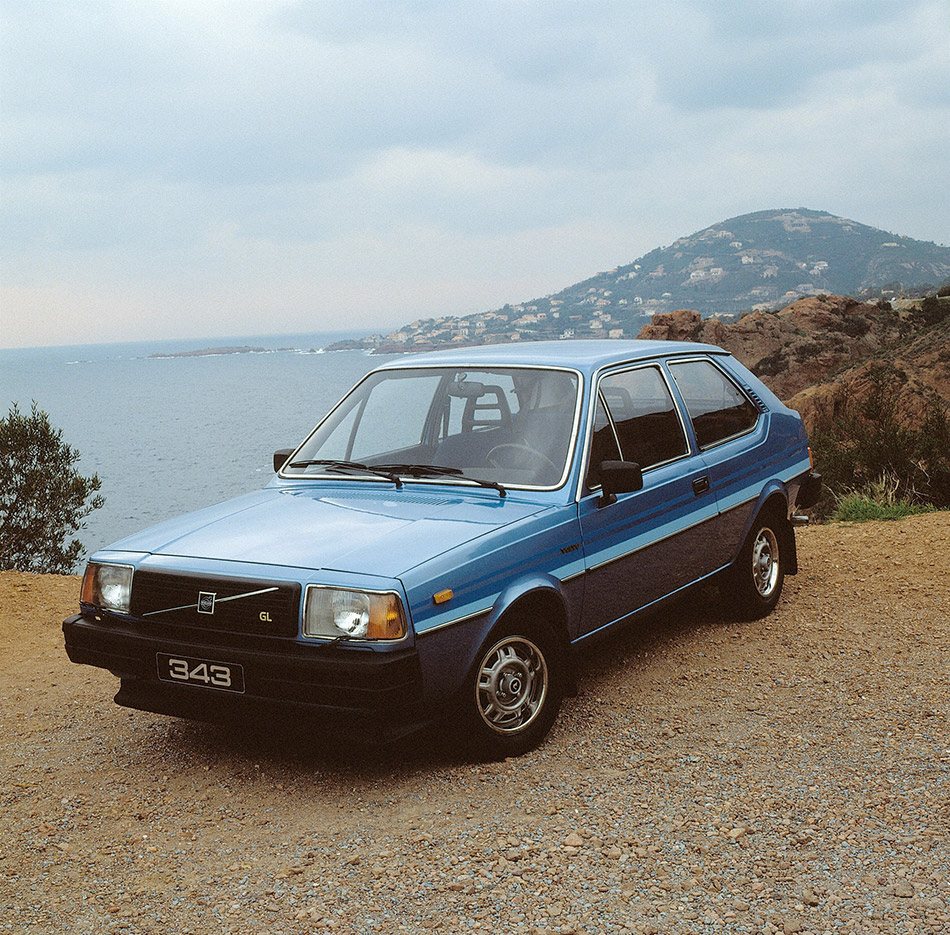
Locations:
column 174, row 433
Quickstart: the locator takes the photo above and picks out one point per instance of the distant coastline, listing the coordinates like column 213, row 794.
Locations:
column 245, row 349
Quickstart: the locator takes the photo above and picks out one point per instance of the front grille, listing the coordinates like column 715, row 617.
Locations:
column 237, row 605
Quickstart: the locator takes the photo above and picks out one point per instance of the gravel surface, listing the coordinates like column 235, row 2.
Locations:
column 788, row 775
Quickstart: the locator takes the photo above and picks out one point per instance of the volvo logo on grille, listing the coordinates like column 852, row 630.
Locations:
column 206, row 602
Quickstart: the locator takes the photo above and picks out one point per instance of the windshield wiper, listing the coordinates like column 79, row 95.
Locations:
column 438, row 470
column 345, row 467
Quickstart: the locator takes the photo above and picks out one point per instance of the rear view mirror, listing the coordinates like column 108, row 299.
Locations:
column 281, row 456
column 618, row 477
column 466, row 389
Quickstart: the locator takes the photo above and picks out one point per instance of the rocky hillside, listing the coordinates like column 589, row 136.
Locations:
column 758, row 261
column 767, row 259
column 918, row 369
column 817, row 353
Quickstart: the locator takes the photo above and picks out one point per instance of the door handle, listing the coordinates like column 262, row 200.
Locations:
column 700, row 485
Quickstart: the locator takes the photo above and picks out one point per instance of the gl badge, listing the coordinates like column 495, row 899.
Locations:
column 206, row 602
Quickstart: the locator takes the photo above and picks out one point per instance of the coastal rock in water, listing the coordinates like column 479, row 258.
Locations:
column 213, row 351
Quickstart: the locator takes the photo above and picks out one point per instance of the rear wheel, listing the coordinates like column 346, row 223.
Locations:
column 513, row 693
column 754, row 583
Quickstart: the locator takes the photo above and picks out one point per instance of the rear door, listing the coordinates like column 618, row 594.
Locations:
column 730, row 431
column 654, row 541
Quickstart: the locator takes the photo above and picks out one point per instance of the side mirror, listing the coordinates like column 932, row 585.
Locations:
column 281, row 456
column 619, row 477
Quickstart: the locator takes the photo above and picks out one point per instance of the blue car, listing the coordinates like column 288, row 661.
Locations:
column 450, row 535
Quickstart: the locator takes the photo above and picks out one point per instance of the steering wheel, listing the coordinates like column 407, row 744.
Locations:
column 523, row 449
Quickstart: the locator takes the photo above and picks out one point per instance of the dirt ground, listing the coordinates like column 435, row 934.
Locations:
column 789, row 775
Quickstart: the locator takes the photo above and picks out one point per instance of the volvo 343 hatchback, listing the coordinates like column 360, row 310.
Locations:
column 450, row 535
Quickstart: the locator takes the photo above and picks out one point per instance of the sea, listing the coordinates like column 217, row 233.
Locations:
column 170, row 434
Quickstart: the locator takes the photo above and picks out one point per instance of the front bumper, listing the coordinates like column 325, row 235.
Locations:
column 362, row 694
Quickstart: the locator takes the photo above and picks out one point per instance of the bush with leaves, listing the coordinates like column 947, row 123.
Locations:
column 43, row 498
column 877, row 501
column 867, row 445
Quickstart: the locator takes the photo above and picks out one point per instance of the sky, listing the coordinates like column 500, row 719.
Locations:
column 205, row 168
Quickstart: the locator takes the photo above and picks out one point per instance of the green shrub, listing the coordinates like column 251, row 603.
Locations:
column 856, row 326
column 43, row 499
column 878, row 500
column 866, row 442
column 934, row 310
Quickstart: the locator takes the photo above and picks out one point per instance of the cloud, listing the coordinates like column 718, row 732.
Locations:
column 157, row 153
column 755, row 55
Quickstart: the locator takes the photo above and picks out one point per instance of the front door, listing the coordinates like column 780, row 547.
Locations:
column 653, row 541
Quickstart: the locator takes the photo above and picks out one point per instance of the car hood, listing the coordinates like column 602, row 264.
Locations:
column 351, row 528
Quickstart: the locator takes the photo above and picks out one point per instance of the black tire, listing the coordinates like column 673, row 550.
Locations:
column 513, row 693
column 754, row 583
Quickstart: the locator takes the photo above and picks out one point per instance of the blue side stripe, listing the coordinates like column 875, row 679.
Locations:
column 752, row 491
column 652, row 535
column 799, row 468
column 572, row 568
column 580, row 565
column 457, row 613
column 484, row 605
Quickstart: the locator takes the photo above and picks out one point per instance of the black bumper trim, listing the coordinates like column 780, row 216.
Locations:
column 810, row 491
column 373, row 694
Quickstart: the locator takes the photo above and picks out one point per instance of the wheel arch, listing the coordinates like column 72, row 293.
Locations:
column 531, row 624
column 448, row 655
column 774, row 501
column 538, row 600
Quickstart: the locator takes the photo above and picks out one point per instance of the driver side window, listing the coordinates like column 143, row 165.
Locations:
column 642, row 418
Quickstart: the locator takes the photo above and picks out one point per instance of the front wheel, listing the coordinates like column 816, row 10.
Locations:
column 754, row 583
column 513, row 693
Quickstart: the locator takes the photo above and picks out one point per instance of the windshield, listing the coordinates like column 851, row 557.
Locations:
column 509, row 426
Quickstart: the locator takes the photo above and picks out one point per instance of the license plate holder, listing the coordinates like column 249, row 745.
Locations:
column 202, row 673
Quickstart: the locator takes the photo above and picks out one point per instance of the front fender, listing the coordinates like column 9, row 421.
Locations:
column 447, row 653
column 530, row 585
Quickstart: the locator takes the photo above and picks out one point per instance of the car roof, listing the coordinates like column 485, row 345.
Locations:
column 588, row 356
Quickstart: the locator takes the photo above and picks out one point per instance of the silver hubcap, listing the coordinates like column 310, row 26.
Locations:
column 512, row 684
column 765, row 562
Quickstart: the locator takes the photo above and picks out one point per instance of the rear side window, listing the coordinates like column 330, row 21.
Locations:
column 717, row 407
column 642, row 411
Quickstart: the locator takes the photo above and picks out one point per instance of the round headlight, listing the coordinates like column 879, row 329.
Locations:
column 350, row 612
